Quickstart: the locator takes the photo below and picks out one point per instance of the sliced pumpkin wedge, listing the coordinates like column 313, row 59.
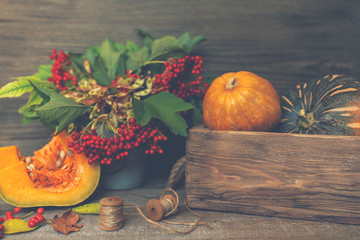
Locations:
column 10, row 155
column 54, row 176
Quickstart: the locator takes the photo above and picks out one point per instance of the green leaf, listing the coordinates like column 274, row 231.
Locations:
column 90, row 208
column 100, row 73
column 147, row 42
column 148, row 38
column 137, row 59
column 122, row 65
column 28, row 109
column 188, row 43
column 131, row 46
column 59, row 111
column 15, row 89
column 185, row 41
column 27, row 121
column 110, row 57
column 44, row 72
column 195, row 41
column 107, row 61
column 144, row 33
column 164, row 46
column 91, row 54
column 17, row 226
column 164, row 106
column 195, row 114
column 77, row 60
column 19, row 87
column 120, row 46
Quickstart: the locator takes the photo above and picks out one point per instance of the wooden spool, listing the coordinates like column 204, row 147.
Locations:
column 111, row 213
column 155, row 209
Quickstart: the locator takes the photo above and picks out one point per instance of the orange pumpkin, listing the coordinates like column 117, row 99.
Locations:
column 241, row 101
column 54, row 176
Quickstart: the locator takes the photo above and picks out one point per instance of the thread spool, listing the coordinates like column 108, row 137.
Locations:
column 111, row 213
column 157, row 209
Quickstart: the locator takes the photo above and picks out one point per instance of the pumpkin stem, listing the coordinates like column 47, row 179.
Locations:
column 231, row 83
column 305, row 119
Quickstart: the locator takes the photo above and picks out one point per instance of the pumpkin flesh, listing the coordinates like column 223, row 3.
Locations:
column 13, row 155
column 47, row 181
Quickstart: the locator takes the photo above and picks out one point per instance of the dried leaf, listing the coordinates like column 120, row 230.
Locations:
column 66, row 223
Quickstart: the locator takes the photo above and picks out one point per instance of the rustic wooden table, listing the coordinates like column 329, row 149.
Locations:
column 285, row 41
column 225, row 225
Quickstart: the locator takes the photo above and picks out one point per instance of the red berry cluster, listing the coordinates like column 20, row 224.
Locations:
column 181, row 77
column 59, row 73
column 129, row 136
column 37, row 219
column 11, row 215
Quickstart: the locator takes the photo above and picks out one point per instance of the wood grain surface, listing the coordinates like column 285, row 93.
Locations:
column 274, row 174
column 285, row 41
column 225, row 225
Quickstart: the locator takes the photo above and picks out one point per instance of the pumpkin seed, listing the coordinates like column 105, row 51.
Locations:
column 32, row 166
column 62, row 155
column 70, row 153
column 58, row 163
column 28, row 160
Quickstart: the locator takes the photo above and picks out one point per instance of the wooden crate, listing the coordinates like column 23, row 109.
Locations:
column 309, row 177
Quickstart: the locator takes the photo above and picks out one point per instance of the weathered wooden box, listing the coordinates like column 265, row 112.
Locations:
column 274, row 174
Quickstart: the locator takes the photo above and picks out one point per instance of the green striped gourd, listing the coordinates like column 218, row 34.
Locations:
column 330, row 106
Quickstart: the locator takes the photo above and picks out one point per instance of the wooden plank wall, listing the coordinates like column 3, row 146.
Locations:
column 285, row 41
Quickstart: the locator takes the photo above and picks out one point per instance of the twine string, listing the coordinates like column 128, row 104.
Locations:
column 111, row 216
column 168, row 205
column 192, row 223
column 170, row 208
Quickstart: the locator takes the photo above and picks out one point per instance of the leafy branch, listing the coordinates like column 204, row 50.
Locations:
column 104, row 64
column 112, row 58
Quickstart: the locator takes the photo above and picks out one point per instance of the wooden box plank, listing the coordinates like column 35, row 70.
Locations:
column 274, row 174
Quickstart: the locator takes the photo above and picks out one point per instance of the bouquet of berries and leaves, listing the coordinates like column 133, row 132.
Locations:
column 116, row 96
